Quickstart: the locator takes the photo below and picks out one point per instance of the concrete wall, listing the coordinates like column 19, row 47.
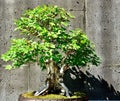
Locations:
column 99, row 18
column 103, row 27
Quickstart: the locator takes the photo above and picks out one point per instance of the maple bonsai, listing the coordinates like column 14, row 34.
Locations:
column 48, row 42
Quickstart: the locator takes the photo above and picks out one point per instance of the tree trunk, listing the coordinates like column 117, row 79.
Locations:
column 54, row 82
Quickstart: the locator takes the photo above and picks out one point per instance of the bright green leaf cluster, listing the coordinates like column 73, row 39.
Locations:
column 46, row 37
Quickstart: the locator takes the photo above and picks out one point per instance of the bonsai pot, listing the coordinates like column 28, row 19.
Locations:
column 25, row 97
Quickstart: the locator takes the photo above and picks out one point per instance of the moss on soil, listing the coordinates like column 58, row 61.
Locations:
column 50, row 96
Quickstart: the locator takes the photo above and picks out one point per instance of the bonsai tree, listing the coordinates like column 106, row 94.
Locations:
column 48, row 42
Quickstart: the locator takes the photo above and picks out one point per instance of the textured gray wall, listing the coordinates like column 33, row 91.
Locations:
column 103, row 27
column 99, row 18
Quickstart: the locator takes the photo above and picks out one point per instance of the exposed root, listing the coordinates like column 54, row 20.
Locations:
column 42, row 91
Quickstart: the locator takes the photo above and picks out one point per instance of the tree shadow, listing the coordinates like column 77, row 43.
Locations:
column 95, row 88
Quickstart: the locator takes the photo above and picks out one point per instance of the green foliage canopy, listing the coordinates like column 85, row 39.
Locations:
column 46, row 37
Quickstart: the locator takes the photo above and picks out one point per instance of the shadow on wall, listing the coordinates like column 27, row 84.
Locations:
column 95, row 88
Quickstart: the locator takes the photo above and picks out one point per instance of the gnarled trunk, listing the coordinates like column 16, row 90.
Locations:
column 54, row 82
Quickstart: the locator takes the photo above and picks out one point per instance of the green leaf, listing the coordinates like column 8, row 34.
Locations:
column 70, row 15
column 8, row 67
column 64, row 23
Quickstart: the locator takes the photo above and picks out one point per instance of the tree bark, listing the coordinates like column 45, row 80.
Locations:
column 54, row 82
